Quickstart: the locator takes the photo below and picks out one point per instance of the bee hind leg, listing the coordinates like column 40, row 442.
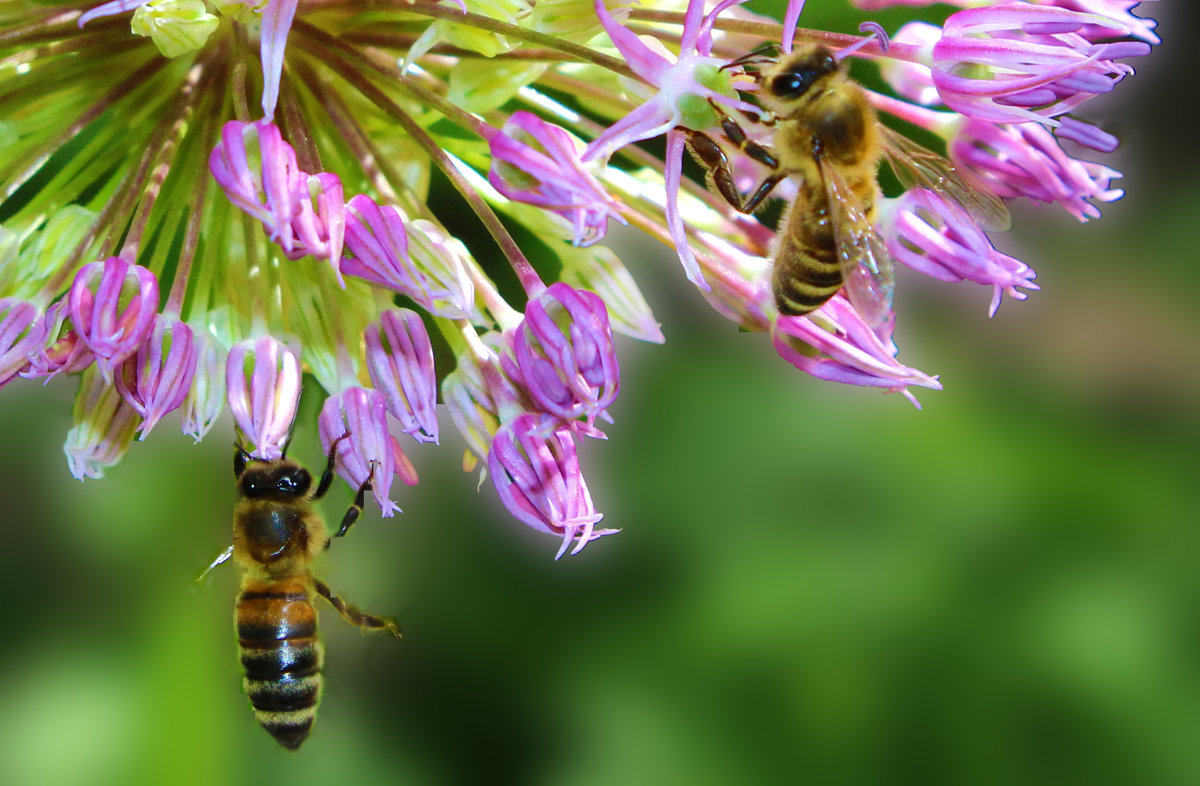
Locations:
column 354, row 615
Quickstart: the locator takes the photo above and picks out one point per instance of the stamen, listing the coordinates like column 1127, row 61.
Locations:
column 876, row 33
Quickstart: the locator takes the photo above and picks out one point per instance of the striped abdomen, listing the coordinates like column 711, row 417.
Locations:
column 807, row 271
column 277, row 636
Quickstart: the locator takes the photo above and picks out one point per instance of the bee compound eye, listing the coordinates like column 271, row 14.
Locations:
column 294, row 483
column 791, row 84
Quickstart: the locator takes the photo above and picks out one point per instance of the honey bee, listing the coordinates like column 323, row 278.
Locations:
column 276, row 536
column 826, row 134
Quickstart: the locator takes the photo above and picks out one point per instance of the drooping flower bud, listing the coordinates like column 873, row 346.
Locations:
column 103, row 430
column 835, row 344
column 320, row 226
column 400, row 363
column 368, row 451
column 1025, row 160
column 112, row 306
column 537, row 163
column 262, row 378
column 258, row 172
column 18, row 336
column 937, row 237
column 206, row 397
column 564, row 354
column 378, row 249
column 156, row 379
column 57, row 349
column 536, row 473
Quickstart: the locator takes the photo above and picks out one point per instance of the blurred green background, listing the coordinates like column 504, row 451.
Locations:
column 814, row 583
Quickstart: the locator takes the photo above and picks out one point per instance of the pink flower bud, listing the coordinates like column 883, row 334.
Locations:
column 938, row 238
column 428, row 270
column 258, row 172
column 400, row 362
column 18, row 336
column 536, row 473
column 1017, row 63
column 537, row 163
column 320, row 230
column 368, row 450
column 156, row 379
column 262, row 378
column 1025, row 160
column 206, row 397
column 103, row 430
column 564, row 354
column 847, row 350
column 112, row 306
column 57, row 350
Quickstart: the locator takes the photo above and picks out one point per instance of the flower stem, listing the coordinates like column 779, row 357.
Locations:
column 164, row 145
column 575, row 51
column 774, row 32
column 530, row 281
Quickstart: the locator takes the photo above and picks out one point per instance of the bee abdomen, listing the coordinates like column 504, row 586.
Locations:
column 804, row 278
column 281, row 655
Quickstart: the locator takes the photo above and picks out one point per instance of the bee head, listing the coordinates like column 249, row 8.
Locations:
column 786, row 83
column 279, row 479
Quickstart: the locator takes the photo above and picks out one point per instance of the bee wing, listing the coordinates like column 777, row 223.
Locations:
column 218, row 560
column 916, row 165
column 866, row 262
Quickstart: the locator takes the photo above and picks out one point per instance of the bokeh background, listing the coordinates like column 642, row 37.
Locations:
column 814, row 584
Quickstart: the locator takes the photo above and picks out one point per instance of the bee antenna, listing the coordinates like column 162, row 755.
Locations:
column 766, row 52
column 876, row 33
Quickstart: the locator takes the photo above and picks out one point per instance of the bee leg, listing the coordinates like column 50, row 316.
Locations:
column 240, row 459
column 327, row 475
column 712, row 157
column 355, row 509
column 356, row 616
column 734, row 133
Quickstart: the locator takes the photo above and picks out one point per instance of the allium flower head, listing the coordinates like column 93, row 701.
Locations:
column 228, row 201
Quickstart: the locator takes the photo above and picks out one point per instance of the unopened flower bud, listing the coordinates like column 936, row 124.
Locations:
column 175, row 26
column 262, row 378
column 400, row 363
column 103, row 430
column 206, row 397
column 156, row 379
column 18, row 336
column 367, row 451
column 536, row 473
column 564, row 353
column 112, row 306
column 537, row 163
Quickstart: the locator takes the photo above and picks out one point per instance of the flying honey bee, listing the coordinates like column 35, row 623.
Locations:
column 276, row 536
column 827, row 135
